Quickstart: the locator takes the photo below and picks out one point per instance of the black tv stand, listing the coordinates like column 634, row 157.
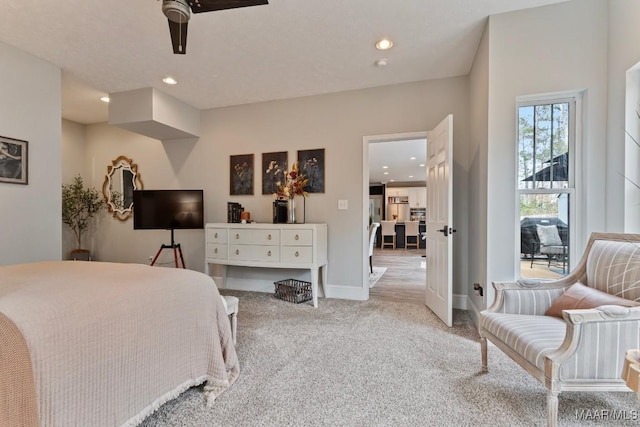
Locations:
column 177, row 250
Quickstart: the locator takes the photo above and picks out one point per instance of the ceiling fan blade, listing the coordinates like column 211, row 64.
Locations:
column 178, row 36
column 199, row 6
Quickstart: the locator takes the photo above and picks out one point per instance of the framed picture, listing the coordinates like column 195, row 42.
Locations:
column 241, row 175
column 274, row 166
column 311, row 164
column 13, row 160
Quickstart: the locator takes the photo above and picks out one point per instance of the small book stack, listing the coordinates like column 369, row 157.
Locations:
column 233, row 212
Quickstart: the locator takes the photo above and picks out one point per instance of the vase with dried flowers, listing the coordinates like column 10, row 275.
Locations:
column 293, row 185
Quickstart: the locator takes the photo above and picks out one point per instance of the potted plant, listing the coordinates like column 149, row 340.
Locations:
column 79, row 205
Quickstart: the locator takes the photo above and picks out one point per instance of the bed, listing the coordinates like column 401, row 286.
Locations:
column 105, row 344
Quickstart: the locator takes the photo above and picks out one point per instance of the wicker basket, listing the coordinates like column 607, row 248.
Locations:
column 293, row 290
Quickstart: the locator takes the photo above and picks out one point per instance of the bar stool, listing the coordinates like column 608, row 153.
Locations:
column 231, row 304
column 411, row 230
column 388, row 228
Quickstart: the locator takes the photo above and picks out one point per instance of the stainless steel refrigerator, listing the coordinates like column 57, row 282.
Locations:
column 398, row 211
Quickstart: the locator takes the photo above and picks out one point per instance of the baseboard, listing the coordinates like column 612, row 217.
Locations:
column 474, row 311
column 345, row 292
column 459, row 301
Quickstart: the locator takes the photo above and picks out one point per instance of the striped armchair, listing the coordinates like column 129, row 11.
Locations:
column 585, row 350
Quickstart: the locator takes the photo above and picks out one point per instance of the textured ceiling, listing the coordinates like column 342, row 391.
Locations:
column 286, row 49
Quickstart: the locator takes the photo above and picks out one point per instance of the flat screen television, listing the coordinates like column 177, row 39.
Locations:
column 168, row 209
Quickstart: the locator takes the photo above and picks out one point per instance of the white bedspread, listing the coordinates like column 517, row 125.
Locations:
column 109, row 343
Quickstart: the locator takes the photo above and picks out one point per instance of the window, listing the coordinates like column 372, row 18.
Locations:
column 546, row 145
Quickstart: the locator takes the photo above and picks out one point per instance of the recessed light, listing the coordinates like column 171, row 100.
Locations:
column 384, row 44
column 421, row 165
column 386, row 173
column 170, row 80
column 104, row 99
column 412, row 158
column 391, row 180
column 381, row 62
column 410, row 176
column 385, row 167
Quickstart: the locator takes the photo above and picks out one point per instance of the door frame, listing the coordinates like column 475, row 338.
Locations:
column 366, row 140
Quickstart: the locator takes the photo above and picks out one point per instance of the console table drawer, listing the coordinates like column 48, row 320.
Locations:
column 217, row 250
column 297, row 237
column 254, row 253
column 294, row 254
column 238, row 236
column 217, row 235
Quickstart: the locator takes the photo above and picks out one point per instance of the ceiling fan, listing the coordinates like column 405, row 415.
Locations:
column 178, row 13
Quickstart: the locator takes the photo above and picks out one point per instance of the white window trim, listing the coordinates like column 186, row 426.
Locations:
column 574, row 190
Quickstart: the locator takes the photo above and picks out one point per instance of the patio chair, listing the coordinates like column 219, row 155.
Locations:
column 551, row 244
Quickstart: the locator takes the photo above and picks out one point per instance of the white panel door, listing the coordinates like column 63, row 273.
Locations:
column 439, row 220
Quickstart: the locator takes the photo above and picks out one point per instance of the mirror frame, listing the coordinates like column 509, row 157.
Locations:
column 119, row 164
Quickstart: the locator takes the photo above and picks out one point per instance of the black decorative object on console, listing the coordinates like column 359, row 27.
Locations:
column 280, row 211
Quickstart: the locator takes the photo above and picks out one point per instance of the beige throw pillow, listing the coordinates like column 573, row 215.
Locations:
column 581, row 296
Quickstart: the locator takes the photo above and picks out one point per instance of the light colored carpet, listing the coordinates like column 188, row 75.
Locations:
column 372, row 363
column 376, row 275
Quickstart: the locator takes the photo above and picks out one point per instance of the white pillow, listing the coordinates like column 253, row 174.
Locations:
column 548, row 235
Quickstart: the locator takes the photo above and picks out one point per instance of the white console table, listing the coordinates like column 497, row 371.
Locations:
column 299, row 246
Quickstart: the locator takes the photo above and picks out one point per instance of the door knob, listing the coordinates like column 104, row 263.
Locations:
column 444, row 230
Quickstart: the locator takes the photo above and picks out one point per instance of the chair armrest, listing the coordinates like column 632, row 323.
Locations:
column 526, row 296
column 598, row 337
column 604, row 313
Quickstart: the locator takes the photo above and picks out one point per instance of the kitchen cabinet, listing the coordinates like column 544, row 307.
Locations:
column 417, row 197
column 397, row 192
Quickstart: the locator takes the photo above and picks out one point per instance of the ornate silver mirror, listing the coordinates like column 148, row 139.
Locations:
column 121, row 179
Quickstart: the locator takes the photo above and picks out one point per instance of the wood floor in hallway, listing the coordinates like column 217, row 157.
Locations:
column 405, row 278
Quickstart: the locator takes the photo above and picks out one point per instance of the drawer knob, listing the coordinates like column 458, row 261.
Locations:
column 215, row 251
column 269, row 237
column 297, row 254
column 269, row 253
column 237, row 251
column 297, row 237
column 215, row 235
column 237, row 236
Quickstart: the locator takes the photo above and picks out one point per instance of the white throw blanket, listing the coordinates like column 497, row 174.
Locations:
column 109, row 343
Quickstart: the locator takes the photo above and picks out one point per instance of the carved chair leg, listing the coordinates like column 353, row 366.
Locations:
column 483, row 352
column 552, row 408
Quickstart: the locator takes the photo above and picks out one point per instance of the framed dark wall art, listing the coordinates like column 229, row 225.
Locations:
column 13, row 160
column 241, row 175
column 274, row 166
column 311, row 164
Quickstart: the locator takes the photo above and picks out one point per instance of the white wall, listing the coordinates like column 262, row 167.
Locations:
column 632, row 152
column 478, row 143
column 549, row 49
column 336, row 122
column 30, row 110
column 73, row 138
column 160, row 166
column 624, row 53
column 73, row 141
